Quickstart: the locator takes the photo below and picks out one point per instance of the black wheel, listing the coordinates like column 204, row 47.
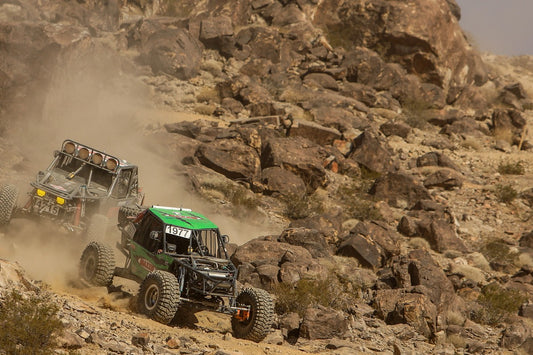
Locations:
column 97, row 264
column 257, row 325
column 8, row 200
column 159, row 296
column 125, row 214
column 97, row 228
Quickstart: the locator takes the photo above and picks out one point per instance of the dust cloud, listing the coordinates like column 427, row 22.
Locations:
column 95, row 99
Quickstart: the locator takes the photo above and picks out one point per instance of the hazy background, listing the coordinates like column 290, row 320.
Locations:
column 499, row 26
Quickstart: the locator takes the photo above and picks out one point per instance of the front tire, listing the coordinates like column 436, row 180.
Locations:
column 259, row 322
column 159, row 296
column 97, row 264
column 8, row 200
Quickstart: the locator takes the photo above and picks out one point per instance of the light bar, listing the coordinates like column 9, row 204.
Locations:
column 172, row 208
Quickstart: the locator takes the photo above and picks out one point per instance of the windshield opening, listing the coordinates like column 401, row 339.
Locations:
column 77, row 170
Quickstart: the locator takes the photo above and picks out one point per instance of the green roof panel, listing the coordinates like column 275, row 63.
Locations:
column 181, row 217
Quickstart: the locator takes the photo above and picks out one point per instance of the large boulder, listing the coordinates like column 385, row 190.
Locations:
column 372, row 152
column 372, row 243
column 339, row 118
column 418, row 268
column 259, row 42
column 281, row 181
column 310, row 239
column 264, row 262
column 424, row 37
column 167, row 49
column 323, row 323
column 217, row 33
column 401, row 307
column 298, row 155
column 436, row 159
column 399, row 190
column 314, row 132
column 444, row 178
column 231, row 158
column 441, row 235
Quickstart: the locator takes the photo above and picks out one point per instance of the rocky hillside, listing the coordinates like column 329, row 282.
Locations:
column 388, row 160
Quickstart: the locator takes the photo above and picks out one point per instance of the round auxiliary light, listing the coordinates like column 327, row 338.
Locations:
column 69, row 148
column 83, row 153
column 97, row 158
column 111, row 164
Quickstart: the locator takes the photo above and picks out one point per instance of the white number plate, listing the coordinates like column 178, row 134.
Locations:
column 180, row 232
column 46, row 207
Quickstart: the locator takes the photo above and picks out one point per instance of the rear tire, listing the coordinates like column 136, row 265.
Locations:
column 159, row 296
column 97, row 264
column 8, row 200
column 97, row 228
column 258, row 325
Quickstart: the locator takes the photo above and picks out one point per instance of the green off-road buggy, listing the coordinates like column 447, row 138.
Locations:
column 180, row 260
column 80, row 190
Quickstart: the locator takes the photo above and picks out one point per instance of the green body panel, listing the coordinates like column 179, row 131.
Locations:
column 143, row 262
column 182, row 218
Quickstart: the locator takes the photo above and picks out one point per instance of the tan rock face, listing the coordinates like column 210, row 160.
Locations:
column 13, row 276
column 423, row 36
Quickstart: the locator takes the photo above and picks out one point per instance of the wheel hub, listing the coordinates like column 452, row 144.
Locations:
column 151, row 297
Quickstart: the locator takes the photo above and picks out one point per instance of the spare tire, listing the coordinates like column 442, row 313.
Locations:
column 260, row 317
column 127, row 213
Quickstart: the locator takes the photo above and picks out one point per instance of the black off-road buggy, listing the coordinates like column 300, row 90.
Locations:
column 80, row 190
column 180, row 259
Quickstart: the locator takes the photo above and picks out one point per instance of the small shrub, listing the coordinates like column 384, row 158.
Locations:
column 497, row 303
column 503, row 134
column 176, row 8
column 355, row 201
column 527, row 105
column 368, row 176
column 525, row 260
column 479, row 260
column 336, row 291
column 471, row 143
column 498, row 251
column 457, row 341
column 364, row 210
column 243, row 201
column 207, row 95
column 419, row 243
column 297, row 207
column 415, row 112
column 28, row 324
column 342, row 36
column 470, row 273
column 455, row 318
column 295, row 96
column 505, row 193
column 512, row 168
column 205, row 109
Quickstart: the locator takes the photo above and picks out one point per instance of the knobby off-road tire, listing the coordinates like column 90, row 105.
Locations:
column 159, row 296
column 258, row 325
column 126, row 212
column 97, row 264
column 8, row 200
column 97, row 228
